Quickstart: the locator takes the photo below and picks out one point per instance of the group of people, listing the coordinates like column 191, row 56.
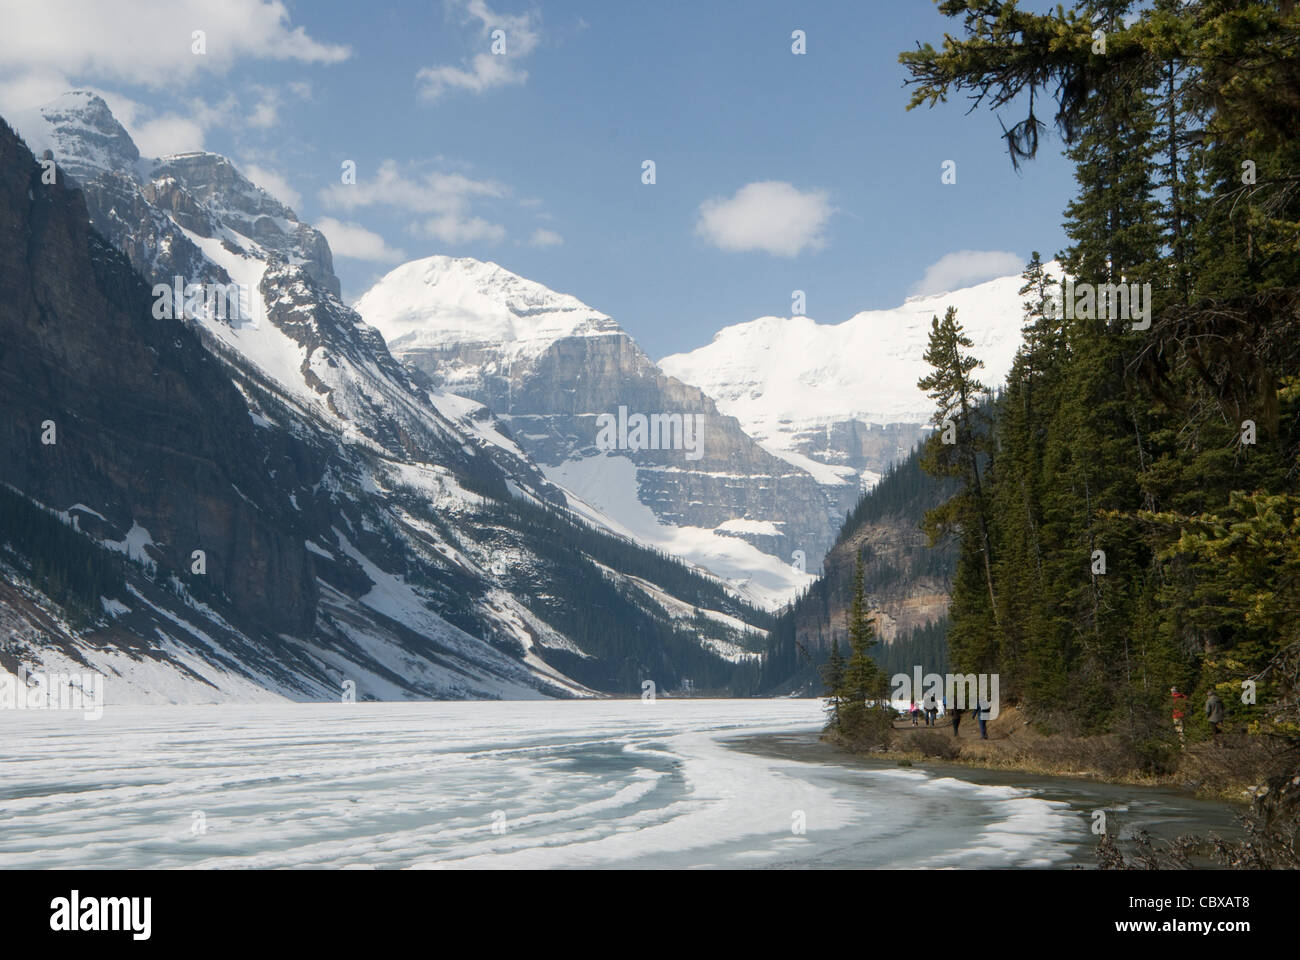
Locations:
column 929, row 710
column 1213, row 712
column 981, row 713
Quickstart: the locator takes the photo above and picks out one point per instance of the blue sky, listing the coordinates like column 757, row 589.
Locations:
column 774, row 171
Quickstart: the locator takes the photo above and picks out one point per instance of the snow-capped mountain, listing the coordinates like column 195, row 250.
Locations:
column 438, row 304
column 844, row 396
column 357, row 522
column 557, row 370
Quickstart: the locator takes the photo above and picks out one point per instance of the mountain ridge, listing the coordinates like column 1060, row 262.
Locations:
column 844, row 395
column 417, row 519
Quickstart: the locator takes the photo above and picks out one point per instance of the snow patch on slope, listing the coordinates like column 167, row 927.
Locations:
column 603, row 490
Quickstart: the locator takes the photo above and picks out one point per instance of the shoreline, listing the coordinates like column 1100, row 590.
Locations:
column 1162, row 810
column 1012, row 747
column 993, row 761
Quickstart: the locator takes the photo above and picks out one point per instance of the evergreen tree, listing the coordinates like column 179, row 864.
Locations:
column 832, row 673
column 862, row 715
column 1025, row 408
column 955, row 449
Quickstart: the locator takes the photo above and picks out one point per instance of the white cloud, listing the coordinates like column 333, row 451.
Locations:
column 266, row 112
column 450, row 197
column 451, row 228
column 273, row 183
column 163, row 135
column 355, row 242
column 545, row 238
column 148, row 42
column 434, row 192
column 965, row 268
column 485, row 70
column 26, row 90
column 49, row 48
column 770, row 215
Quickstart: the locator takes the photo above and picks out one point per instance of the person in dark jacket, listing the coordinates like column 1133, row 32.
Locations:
column 956, row 719
column 1214, row 711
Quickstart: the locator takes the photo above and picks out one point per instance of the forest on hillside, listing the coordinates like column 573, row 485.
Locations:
column 803, row 634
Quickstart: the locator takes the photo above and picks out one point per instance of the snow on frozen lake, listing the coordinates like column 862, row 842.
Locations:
column 483, row 784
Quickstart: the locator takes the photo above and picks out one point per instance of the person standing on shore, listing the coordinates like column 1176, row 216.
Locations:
column 931, row 709
column 1180, row 705
column 982, row 715
column 956, row 719
column 1214, row 711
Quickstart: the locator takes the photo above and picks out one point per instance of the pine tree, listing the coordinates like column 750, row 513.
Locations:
column 1024, row 409
column 955, row 449
column 861, row 675
column 861, row 710
column 832, row 673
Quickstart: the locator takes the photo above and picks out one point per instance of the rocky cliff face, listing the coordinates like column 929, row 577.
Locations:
column 225, row 197
column 145, row 424
column 906, row 585
column 903, row 594
column 554, row 405
column 80, row 134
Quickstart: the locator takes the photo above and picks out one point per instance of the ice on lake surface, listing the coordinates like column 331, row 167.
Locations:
column 615, row 783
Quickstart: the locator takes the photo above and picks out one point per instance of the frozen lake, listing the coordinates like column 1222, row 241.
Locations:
column 488, row 784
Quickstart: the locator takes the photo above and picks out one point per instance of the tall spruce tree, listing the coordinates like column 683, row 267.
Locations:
column 863, row 711
column 955, row 449
column 1025, row 407
column 832, row 673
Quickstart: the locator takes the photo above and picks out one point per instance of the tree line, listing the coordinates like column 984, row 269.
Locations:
column 1127, row 505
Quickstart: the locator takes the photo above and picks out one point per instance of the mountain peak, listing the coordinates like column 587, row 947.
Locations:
column 440, row 300
column 214, row 179
column 83, row 100
column 81, row 133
